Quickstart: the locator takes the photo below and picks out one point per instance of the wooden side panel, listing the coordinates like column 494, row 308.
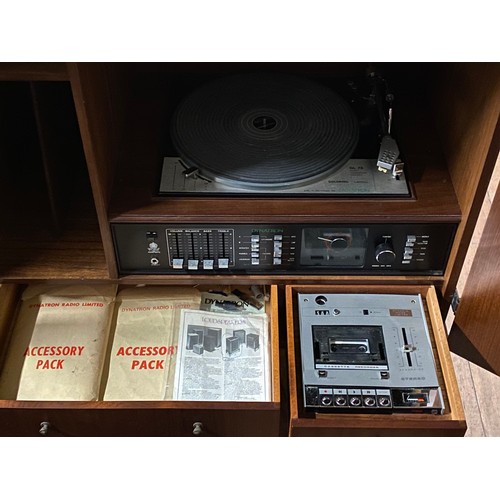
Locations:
column 96, row 108
column 475, row 334
column 9, row 295
column 467, row 105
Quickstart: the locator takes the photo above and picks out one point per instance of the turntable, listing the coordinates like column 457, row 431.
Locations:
column 284, row 135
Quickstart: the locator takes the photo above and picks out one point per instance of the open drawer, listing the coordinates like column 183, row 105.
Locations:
column 309, row 422
column 140, row 418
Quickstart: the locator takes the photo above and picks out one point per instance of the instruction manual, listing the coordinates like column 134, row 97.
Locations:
column 223, row 357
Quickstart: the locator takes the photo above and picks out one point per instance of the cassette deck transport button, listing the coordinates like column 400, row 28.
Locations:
column 354, row 392
column 340, row 391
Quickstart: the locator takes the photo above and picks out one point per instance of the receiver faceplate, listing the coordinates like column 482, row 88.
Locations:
column 401, row 249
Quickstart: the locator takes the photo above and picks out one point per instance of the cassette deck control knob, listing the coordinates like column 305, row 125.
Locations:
column 384, row 253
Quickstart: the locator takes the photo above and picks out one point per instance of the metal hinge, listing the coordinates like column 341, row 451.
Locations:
column 455, row 301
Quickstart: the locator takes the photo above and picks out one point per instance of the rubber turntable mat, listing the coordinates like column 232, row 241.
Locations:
column 264, row 130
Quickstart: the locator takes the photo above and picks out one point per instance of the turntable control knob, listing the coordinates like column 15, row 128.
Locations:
column 384, row 253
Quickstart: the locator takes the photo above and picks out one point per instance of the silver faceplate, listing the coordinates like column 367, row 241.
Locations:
column 358, row 177
column 409, row 363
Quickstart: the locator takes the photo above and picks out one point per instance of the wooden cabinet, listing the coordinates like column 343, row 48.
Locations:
column 81, row 146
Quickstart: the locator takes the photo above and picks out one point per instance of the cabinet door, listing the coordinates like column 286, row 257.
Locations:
column 475, row 334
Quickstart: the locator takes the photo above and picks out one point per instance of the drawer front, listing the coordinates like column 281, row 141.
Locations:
column 120, row 422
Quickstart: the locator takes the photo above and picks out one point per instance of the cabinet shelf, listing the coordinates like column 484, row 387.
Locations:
column 77, row 254
column 25, row 71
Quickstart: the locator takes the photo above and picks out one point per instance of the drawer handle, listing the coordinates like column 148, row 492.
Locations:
column 44, row 428
column 197, row 428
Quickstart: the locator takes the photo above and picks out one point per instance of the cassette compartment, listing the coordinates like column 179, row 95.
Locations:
column 310, row 423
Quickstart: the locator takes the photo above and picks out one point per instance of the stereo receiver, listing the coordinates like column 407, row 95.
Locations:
column 377, row 248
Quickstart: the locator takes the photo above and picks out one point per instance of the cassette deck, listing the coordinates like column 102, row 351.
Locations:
column 367, row 352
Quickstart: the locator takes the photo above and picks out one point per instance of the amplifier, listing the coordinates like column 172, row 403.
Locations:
column 372, row 248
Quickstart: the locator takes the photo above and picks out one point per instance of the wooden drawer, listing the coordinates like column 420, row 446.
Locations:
column 141, row 418
column 310, row 423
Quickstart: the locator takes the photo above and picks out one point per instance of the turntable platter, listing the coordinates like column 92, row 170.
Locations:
column 267, row 130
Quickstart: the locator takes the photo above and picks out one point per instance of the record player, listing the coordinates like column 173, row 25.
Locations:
column 285, row 135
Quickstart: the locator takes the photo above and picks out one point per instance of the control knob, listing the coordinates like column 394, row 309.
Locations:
column 384, row 253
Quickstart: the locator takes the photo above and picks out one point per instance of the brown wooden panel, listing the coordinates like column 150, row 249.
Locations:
column 100, row 419
column 24, row 71
column 99, row 128
column 9, row 296
column 475, row 332
column 466, row 99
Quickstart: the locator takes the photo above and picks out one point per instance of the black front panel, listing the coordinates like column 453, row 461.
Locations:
column 398, row 249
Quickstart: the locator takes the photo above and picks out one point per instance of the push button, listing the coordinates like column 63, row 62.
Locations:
column 177, row 263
